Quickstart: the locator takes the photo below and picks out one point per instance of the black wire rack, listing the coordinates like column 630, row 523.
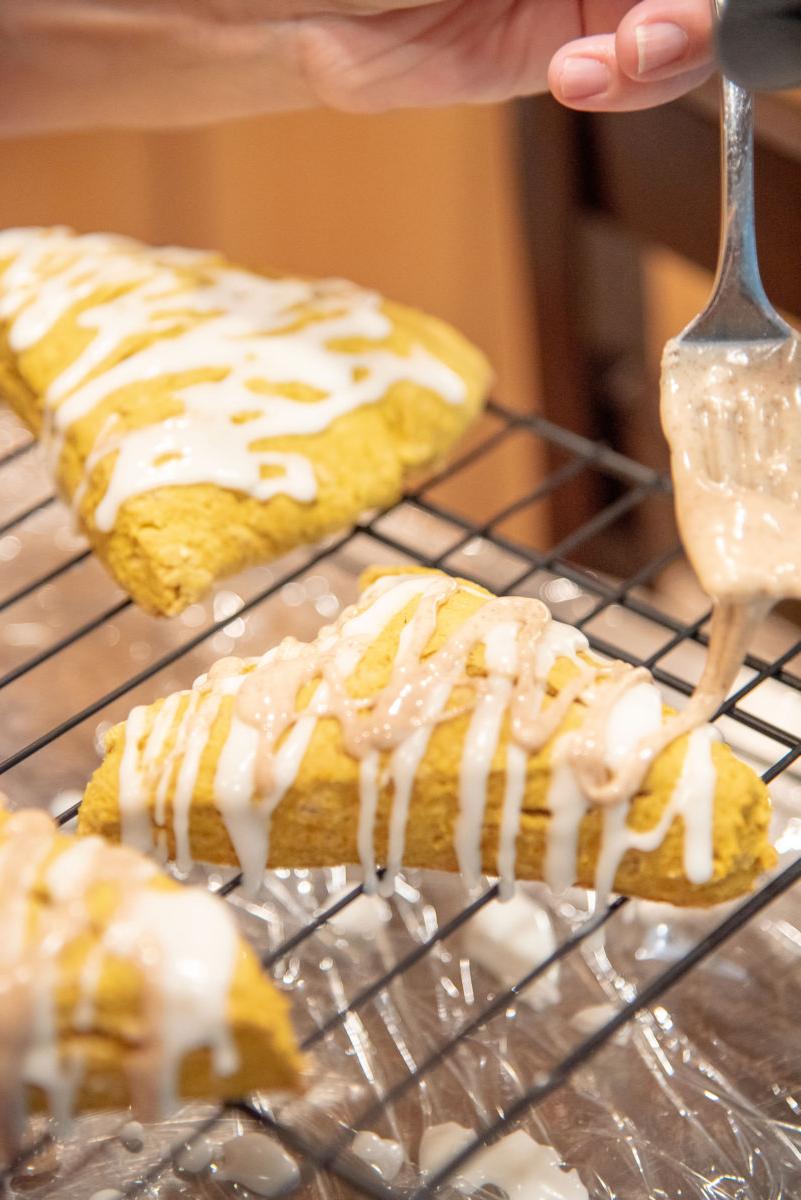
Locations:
column 507, row 532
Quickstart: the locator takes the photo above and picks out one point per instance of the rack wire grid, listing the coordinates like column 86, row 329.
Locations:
column 82, row 654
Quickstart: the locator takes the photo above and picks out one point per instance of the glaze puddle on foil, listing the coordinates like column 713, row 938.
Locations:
column 519, row 1166
column 509, row 939
column 258, row 1163
column 384, row 1155
column 132, row 1136
column 197, row 1157
column 363, row 917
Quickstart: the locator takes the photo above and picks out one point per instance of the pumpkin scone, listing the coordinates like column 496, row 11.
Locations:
column 435, row 725
column 201, row 417
column 120, row 987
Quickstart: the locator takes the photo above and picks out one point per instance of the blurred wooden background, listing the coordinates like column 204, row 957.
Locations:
column 420, row 205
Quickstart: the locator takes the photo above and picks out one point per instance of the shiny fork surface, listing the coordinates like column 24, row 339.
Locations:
column 739, row 309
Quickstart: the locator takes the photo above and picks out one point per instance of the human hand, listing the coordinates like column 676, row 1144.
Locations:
column 84, row 63
column 593, row 54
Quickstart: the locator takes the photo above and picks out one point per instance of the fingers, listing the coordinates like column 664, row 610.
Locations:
column 661, row 49
column 664, row 39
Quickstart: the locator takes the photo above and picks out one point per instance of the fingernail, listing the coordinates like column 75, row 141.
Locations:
column 582, row 77
column 659, row 44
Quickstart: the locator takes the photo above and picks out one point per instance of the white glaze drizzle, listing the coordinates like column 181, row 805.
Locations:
column 193, row 944
column 89, row 983
column 136, row 829
column 162, row 725
column 635, row 717
column 368, row 807
column 165, row 768
column 183, row 943
column 692, row 799
column 516, row 1164
column 203, row 315
column 248, row 820
column 26, row 1014
column 234, row 786
column 403, row 764
column 195, row 743
column 567, row 805
column 481, row 742
column 513, row 797
column 600, row 762
column 406, row 757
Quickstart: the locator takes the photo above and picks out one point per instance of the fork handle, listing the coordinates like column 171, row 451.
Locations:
column 741, row 309
column 737, row 236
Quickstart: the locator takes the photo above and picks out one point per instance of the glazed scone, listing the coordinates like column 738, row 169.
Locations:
column 437, row 726
column 119, row 986
column 201, row 417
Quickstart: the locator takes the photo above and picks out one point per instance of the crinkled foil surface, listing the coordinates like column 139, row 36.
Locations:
column 698, row 1099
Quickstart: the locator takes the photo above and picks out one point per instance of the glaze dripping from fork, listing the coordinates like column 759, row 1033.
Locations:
column 733, row 421
column 731, row 411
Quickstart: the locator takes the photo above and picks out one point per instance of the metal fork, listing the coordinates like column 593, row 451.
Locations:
column 731, row 410
column 739, row 309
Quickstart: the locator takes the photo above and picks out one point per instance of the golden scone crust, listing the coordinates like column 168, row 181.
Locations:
column 316, row 822
column 168, row 544
column 257, row 1015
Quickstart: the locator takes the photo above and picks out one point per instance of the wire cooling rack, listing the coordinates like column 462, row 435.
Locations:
column 479, row 518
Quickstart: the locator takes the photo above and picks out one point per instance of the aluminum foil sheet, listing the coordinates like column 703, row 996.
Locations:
column 699, row 1098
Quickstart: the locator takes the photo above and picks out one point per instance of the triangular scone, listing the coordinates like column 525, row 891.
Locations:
column 119, row 986
column 391, row 741
column 202, row 417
